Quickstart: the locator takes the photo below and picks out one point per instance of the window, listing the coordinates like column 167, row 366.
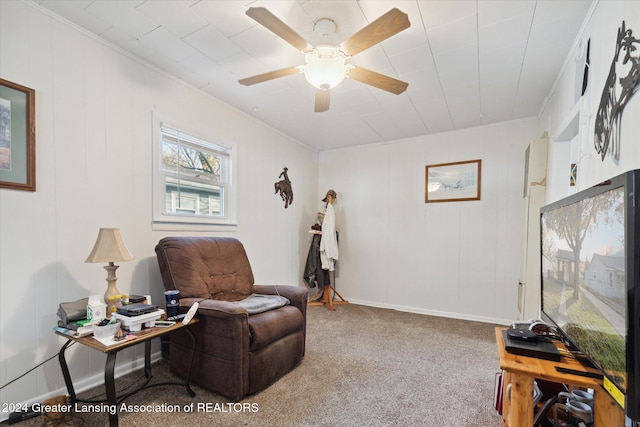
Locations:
column 192, row 180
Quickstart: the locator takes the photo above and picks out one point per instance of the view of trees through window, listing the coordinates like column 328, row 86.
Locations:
column 195, row 174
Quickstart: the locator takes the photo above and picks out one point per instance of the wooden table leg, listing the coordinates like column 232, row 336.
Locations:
column 520, row 404
column 506, row 402
column 606, row 412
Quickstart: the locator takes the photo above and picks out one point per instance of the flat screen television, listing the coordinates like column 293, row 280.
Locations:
column 590, row 271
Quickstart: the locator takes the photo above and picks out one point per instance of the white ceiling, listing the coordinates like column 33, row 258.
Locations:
column 467, row 62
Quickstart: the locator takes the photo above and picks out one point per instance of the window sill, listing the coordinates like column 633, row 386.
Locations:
column 183, row 226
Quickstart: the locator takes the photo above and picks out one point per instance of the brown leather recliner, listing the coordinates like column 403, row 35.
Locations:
column 237, row 354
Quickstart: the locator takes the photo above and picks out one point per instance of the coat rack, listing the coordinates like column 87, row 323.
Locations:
column 328, row 298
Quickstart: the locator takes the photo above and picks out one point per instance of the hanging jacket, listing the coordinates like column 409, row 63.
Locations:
column 314, row 275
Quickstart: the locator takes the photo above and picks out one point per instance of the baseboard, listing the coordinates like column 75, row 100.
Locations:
column 461, row 316
column 88, row 382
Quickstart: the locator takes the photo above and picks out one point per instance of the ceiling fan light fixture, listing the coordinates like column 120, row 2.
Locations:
column 325, row 67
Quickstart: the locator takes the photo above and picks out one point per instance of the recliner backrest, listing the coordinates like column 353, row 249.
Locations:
column 205, row 267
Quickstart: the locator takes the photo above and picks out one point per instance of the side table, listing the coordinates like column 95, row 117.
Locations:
column 145, row 336
column 520, row 372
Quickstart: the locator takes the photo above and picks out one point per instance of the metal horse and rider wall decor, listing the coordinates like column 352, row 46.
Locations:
column 284, row 188
column 621, row 84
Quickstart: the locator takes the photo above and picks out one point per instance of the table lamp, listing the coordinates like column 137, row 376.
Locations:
column 110, row 248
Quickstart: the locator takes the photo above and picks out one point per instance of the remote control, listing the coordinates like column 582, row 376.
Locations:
column 176, row 317
column 580, row 373
column 190, row 313
column 164, row 323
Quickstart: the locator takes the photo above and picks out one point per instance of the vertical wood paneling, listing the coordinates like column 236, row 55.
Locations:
column 460, row 258
column 94, row 148
column 601, row 29
column 16, row 225
column 44, row 220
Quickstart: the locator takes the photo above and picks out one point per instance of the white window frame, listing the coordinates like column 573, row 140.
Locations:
column 163, row 220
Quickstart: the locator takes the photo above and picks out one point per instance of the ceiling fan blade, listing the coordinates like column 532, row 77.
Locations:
column 248, row 81
column 381, row 29
column 322, row 100
column 378, row 80
column 272, row 23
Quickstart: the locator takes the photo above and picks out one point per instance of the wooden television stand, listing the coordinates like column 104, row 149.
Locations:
column 520, row 372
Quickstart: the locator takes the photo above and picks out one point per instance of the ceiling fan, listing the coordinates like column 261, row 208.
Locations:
column 325, row 65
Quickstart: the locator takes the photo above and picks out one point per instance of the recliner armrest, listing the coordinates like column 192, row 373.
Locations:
column 208, row 307
column 296, row 295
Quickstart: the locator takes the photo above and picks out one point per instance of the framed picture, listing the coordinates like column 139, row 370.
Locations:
column 17, row 137
column 453, row 182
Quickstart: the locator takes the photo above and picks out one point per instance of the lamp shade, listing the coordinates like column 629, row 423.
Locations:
column 109, row 247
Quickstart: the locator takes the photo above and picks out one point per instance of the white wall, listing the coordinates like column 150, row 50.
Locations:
column 93, row 117
column 601, row 26
column 93, row 145
column 458, row 259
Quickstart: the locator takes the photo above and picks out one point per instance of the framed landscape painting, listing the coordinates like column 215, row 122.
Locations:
column 453, row 182
column 17, row 137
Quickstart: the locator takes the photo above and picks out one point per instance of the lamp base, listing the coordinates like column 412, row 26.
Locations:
column 112, row 289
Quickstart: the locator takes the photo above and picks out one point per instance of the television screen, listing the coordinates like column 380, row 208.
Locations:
column 584, row 278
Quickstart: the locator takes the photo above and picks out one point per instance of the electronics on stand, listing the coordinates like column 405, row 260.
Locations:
column 522, row 335
column 590, row 280
column 526, row 343
column 134, row 316
column 132, row 310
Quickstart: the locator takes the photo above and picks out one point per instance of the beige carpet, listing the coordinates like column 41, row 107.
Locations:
column 363, row 366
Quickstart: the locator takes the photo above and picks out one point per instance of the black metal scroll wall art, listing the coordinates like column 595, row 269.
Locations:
column 284, row 188
column 621, row 84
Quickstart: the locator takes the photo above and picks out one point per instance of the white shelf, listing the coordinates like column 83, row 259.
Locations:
column 570, row 126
